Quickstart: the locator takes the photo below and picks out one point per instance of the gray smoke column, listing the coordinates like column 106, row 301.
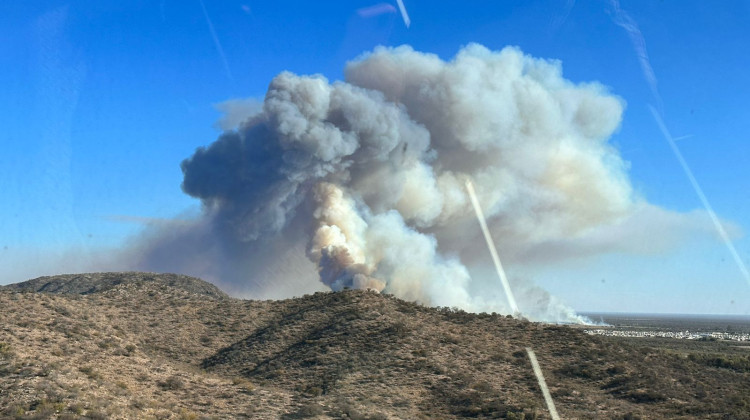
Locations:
column 366, row 177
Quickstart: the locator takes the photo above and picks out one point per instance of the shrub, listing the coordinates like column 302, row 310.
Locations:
column 646, row 396
column 616, row 370
column 174, row 382
column 314, row 391
column 5, row 351
column 512, row 415
column 244, row 385
column 736, row 363
column 309, row 410
column 584, row 371
column 90, row 372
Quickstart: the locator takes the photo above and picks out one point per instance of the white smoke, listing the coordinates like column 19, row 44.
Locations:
column 367, row 177
column 235, row 111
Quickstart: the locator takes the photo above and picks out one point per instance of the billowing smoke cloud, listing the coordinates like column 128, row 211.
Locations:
column 361, row 183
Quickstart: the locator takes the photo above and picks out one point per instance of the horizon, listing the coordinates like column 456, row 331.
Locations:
column 583, row 313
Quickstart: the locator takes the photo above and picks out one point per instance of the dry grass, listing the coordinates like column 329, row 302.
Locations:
column 150, row 350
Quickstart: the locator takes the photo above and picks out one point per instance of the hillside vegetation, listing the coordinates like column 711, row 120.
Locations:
column 136, row 345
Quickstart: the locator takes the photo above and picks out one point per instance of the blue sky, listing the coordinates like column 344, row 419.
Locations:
column 101, row 101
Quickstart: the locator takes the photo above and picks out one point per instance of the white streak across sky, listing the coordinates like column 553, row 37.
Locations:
column 219, row 49
column 624, row 20
column 491, row 246
column 559, row 20
column 404, row 15
column 376, row 10
column 511, row 299
column 699, row 191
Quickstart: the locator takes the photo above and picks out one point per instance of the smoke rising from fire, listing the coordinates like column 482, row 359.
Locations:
column 360, row 183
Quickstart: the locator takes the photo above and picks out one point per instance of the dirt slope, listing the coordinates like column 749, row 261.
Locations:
column 148, row 349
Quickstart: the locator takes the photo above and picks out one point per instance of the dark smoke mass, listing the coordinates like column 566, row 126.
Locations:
column 361, row 183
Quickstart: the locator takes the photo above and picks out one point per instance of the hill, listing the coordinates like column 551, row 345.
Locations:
column 87, row 283
column 151, row 349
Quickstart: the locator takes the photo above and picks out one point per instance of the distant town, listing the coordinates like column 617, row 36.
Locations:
column 684, row 335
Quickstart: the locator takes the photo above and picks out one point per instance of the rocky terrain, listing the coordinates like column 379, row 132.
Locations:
column 138, row 345
column 84, row 284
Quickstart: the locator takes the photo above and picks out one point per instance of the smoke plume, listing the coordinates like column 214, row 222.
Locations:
column 360, row 183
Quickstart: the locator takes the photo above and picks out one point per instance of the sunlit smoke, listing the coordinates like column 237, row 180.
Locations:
column 361, row 183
